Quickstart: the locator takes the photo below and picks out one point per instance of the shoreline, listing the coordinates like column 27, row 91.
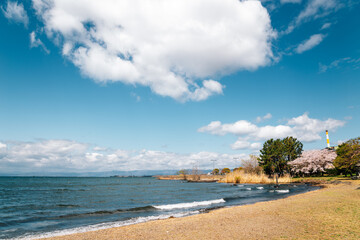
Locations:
column 120, row 224
column 228, row 220
column 134, row 221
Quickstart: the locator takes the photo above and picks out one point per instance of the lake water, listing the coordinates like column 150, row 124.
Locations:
column 33, row 207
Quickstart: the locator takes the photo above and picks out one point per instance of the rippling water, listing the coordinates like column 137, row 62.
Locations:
column 47, row 206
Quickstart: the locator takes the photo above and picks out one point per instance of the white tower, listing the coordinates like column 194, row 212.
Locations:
column 327, row 139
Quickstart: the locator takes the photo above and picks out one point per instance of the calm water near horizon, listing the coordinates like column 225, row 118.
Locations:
column 33, row 207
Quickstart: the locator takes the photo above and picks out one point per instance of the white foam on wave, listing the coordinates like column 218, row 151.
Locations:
column 189, row 205
column 240, row 185
column 283, row 191
column 107, row 225
column 260, row 188
column 248, row 188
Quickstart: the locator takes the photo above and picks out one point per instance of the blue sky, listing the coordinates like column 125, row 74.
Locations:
column 99, row 96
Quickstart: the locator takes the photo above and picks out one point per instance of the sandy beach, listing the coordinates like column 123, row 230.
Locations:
column 332, row 212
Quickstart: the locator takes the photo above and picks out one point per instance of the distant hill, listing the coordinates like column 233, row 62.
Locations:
column 94, row 174
column 136, row 173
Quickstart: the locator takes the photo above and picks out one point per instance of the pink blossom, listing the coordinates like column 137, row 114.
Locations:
column 313, row 161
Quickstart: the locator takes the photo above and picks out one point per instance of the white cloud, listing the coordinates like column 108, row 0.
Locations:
column 325, row 26
column 71, row 156
column 241, row 127
column 3, row 149
column 353, row 63
column 290, row 1
column 36, row 42
column 310, row 43
column 99, row 149
column 244, row 144
column 2, row 145
column 15, row 11
column 313, row 10
column 303, row 127
column 279, row 131
column 317, row 8
column 168, row 46
column 308, row 129
column 263, row 118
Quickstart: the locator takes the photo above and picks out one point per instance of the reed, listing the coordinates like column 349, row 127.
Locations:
column 242, row 177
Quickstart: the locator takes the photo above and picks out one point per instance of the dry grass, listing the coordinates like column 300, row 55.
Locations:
column 190, row 177
column 242, row 177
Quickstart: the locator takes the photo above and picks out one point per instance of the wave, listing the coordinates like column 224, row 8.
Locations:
column 67, row 205
column 139, row 209
column 189, row 205
column 106, row 225
column 283, row 191
column 38, row 207
column 229, row 199
column 260, row 188
column 108, row 212
column 249, row 189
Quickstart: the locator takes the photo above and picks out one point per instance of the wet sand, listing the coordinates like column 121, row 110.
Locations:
column 332, row 212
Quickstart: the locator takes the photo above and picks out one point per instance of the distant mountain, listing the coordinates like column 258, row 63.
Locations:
column 136, row 173
column 94, row 174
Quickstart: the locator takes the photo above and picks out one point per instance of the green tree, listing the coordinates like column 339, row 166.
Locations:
column 348, row 156
column 292, row 150
column 275, row 154
column 215, row 171
column 225, row 171
column 183, row 173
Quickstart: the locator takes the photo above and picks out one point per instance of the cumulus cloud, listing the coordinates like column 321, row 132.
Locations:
column 310, row 43
column 15, row 12
column 241, row 127
column 313, row 10
column 244, row 144
column 177, row 48
column 36, row 42
column 72, row 156
column 263, row 118
column 303, row 127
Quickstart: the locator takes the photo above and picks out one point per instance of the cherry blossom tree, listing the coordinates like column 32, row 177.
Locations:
column 313, row 162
